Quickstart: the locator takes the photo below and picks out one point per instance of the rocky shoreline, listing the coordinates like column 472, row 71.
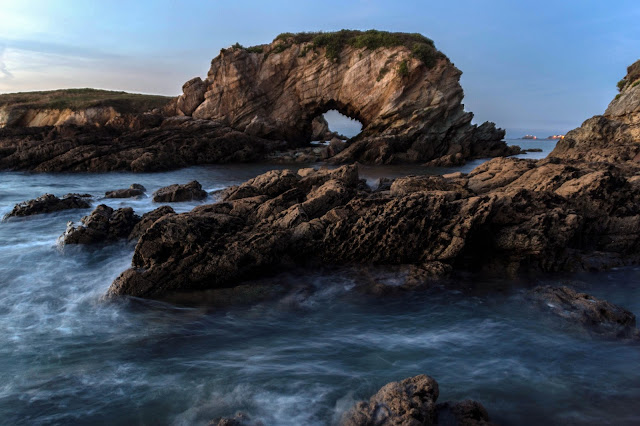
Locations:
column 413, row 116
column 577, row 210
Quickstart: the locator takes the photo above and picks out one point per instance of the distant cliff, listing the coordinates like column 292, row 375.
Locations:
column 403, row 90
column 613, row 136
column 75, row 106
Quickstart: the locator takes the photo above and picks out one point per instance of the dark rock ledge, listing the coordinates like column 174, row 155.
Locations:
column 507, row 217
column 49, row 203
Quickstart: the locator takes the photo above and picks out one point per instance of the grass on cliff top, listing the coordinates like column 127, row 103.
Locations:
column 78, row 99
column 421, row 47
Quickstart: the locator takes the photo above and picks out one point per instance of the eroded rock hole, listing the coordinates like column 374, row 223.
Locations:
column 333, row 124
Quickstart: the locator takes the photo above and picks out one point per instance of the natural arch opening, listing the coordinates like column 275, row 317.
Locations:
column 334, row 124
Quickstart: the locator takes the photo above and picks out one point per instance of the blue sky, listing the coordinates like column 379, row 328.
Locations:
column 541, row 66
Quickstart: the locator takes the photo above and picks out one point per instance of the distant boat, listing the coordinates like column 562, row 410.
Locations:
column 529, row 137
column 555, row 137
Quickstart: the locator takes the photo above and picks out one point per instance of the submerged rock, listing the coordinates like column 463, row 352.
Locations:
column 174, row 193
column 412, row 401
column 240, row 419
column 135, row 190
column 49, row 203
column 597, row 315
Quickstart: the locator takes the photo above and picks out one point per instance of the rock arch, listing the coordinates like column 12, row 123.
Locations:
column 411, row 109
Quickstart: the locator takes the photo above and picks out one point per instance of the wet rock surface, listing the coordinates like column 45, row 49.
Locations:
column 176, row 192
column 412, row 401
column 49, row 203
column 507, row 217
column 596, row 315
column 135, row 190
column 106, row 224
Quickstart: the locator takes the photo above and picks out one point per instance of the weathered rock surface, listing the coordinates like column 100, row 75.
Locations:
column 596, row 315
column 174, row 193
column 49, row 203
column 409, row 105
column 105, row 225
column 507, row 217
column 135, row 190
column 160, row 144
column 147, row 220
column 612, row 137
column 412, row 402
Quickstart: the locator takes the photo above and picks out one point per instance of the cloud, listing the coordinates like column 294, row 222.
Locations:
column 5, row 74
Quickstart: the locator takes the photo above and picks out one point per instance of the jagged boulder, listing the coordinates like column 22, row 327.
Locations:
column 49, row 203
column 135, row 190
column 105, row 225
column 412, row 402
column 399, row 86
column 175, row 193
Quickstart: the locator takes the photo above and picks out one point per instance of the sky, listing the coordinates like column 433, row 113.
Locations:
column 530, row 67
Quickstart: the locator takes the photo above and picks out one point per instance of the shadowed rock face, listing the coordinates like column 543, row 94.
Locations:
column 411, row 116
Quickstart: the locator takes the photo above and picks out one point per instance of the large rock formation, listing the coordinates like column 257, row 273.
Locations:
column 613, row 136
column 507, row 217
column 405, row 93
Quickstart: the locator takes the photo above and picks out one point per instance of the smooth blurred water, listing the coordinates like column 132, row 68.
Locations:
column 69, row 357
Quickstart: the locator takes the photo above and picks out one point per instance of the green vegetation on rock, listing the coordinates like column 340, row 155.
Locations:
column 621, row 84
column 421, row 47
column 78, row 99
column 403, row 69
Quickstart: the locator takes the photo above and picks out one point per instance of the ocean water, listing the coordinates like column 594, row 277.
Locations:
column 67, row 356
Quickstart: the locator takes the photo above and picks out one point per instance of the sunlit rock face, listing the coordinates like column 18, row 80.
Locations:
column 409, row 104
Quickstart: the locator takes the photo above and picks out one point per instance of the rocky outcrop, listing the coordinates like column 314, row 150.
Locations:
column 412, row 401
column 105, row 225
column 135, row 190
column 175, row 193
column 168, row 144
column 49, row 203
column 596, row 315
column 612, row 137
column 399, row 86
column 507, row 217
column 80, row 107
